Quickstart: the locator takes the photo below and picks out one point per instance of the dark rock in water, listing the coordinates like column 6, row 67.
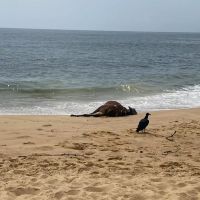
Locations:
column 110, row 109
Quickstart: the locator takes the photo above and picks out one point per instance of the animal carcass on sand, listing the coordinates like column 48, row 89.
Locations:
column 110, row 109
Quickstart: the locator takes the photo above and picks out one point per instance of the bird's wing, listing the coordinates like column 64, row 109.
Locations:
column 141, row 124
column 146, row 123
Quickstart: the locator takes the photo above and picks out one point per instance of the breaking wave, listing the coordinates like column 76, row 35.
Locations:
column 188, row 97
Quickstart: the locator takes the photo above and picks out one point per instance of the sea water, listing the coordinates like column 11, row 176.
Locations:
column 64, row 72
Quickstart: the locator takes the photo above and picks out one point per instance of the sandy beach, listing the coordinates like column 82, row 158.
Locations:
column 69, row 158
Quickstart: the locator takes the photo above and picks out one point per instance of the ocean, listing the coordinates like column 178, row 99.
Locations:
column 53, row 72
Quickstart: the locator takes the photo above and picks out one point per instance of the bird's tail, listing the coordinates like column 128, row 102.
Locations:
column 137, row 130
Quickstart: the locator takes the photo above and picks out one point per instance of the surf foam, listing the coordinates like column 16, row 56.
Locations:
column 188, row 97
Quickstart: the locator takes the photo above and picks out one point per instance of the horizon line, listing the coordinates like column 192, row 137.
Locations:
column 94, row 30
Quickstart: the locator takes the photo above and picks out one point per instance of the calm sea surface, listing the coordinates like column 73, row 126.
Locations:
column 64, row 72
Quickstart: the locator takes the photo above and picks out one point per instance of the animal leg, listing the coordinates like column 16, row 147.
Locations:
column 97, row 114
column 83, row 115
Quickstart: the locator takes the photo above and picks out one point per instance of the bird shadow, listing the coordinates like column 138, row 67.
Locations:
column 150, row 133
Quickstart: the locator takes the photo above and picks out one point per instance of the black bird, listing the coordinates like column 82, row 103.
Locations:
column 143, row 123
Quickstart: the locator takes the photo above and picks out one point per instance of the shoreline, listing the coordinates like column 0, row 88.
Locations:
column 68, row 115
column 62, row 157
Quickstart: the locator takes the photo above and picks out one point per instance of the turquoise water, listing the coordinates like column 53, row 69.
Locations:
column 64, row 72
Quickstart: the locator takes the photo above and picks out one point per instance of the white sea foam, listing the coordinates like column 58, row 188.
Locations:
column 188, row 97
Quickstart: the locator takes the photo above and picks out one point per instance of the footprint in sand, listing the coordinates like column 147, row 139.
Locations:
column 180, row 185
column 78, row 146
column 185, row 196
column 95, row 189
column 28, row 143
column 19, row 171
column 23, row 191
column 51, row 136
column 156, row 179
column 137, row 196
column 45, row 148
column 23, row 137
column 73, row 192
column 114, row 150
column 89, row 152
column 47, row 125
column 115, row 158
column 59, row 195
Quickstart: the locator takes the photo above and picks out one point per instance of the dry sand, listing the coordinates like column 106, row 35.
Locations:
column 60, row 157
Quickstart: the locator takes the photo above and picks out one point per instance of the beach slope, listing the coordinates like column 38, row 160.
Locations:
column 60, row 157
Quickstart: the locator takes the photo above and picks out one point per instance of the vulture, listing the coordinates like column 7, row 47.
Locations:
column 143, row 123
